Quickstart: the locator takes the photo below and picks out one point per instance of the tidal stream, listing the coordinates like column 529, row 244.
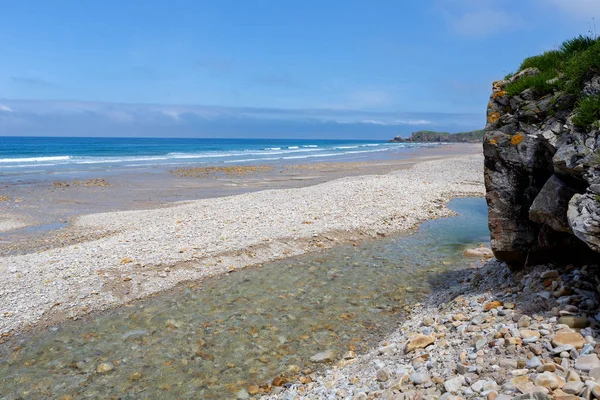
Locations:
column 211, row 339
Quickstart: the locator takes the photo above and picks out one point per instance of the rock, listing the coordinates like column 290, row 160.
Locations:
column 383, row 375
column 349, row 355
column 323, row 357
column 453, row 385
column 360, row 396
column 480, row 252
column 535, row 395
column 533, row 363
column 573, row 387
column 568, row 338
column 546, row 367
column 253, row 390
column 529, row 333
column 508, row 363
column 278, row 381
column 243, row 394
column 492, row 305
column 574, row 322
column 551, row 273
column 524, row 322
column 136, row 376
column 462, row 368
column 419, row 378
column 548, row 380
column 419, row 342
column 105, row 368
column 595, row 374
column 550, row 207
column 573, row 376
column 428, row 321
column 587, row 363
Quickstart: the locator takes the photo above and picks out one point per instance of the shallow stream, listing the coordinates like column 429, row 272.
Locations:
column 209, row 340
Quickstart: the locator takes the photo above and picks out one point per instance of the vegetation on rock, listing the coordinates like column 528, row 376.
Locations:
column 566, row 69
column 433, row 136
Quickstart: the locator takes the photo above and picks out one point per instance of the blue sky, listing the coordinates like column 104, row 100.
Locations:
column 233, row 68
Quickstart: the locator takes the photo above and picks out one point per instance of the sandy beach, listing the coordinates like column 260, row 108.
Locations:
column 132, row 254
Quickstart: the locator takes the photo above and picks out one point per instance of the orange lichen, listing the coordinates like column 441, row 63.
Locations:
column 499, row 94
column 493, row 117
column 493, row 141
column 518, row 138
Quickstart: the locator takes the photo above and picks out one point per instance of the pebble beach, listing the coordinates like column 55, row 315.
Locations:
column 134, row 254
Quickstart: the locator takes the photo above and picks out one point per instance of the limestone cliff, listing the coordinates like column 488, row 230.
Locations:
column 542, row 160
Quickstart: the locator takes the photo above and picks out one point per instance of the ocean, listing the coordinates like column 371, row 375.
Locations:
column 21, row 156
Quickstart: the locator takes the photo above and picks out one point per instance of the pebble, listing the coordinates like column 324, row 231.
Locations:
column 587, row 363
column 323, row 357
column 383, row 375
column 105, row 368
column 453, row 385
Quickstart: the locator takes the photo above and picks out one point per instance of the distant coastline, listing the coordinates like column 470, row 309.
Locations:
column 441, row 137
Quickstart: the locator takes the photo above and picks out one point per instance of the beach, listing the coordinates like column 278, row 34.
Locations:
column 128, row 255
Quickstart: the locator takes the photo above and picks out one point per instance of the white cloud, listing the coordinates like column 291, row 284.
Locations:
column 480, row 18
column 5, row 108
column 583, row 10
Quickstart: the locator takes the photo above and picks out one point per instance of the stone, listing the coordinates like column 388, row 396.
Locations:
column 105, row 368
column 508, row 363
column 529, row 333
column 462, row 368
column 428, row 321
column 360, row 396
column 492, row 305
column 253, row 390
column 524, row 321
column 546, row 367
column 568, row 338
column 573, row 321
column 594, row 373
column 419, row 342
column 573, row 387
column 480, row 252
column 453, row 385
column 547, row 380
column 323, row 357
column 551, row 273
column 550, row 207
column 419, row 378
column 243, row 394
column 349, row 355
column 383, row 375
column 573, row 376
column 533, row 363
column 587, row 363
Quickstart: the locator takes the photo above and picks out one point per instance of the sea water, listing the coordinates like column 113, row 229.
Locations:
column 21, row 156
column 211, row 339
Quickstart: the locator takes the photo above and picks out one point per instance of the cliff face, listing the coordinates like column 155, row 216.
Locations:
column 542, row 171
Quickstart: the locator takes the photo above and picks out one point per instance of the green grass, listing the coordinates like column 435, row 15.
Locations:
column 588, row 112
column 539, row 83
column 578, row 44
column 575, row 62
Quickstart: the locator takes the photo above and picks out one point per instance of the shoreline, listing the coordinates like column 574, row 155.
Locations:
column 492, row 334
column 143, row 259
column 45, row 208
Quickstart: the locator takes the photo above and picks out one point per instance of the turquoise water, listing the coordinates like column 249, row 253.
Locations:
column 211, row 339
column 20, row 156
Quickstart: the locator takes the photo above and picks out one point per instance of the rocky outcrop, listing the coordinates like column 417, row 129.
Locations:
column 542, row 176
column 441, row 137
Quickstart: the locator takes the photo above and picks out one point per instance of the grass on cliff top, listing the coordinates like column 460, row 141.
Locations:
column 573, row 63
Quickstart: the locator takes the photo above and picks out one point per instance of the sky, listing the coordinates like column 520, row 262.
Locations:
column 367, row 69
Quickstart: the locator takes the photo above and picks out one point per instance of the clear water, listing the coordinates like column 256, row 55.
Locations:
column 208, row 340
column 22, row 156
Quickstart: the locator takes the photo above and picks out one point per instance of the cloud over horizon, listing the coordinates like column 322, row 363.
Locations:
column 73, row 118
